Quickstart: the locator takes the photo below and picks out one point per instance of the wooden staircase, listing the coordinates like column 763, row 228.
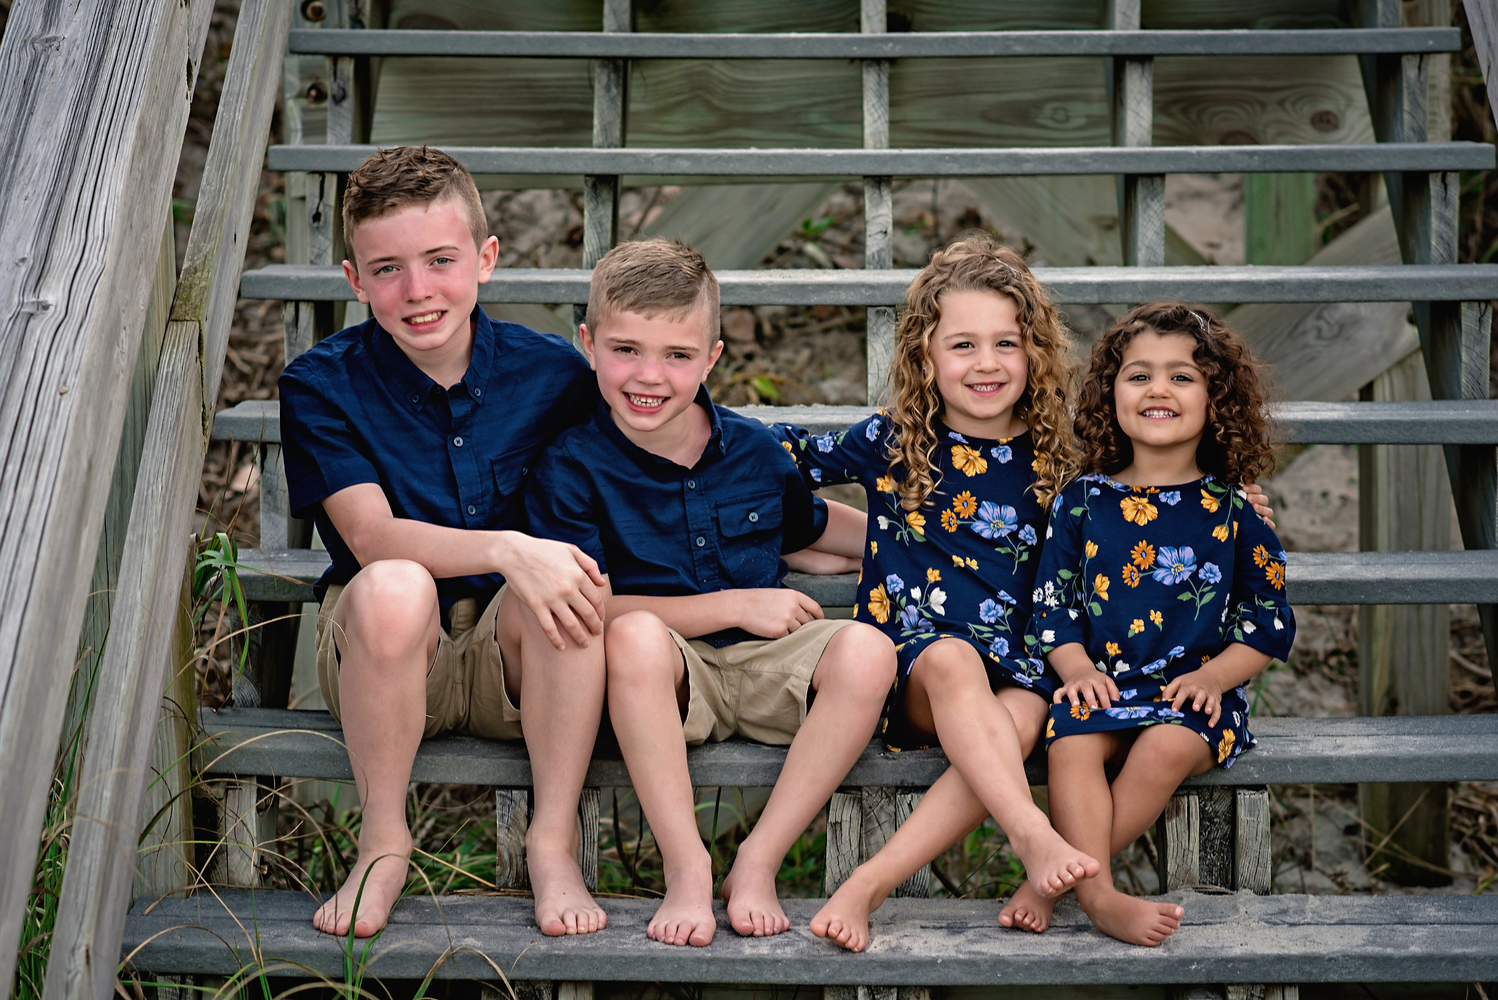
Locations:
column 1214, row 838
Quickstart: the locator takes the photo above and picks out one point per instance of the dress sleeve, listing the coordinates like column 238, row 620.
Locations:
column 1060, row 615
column 1258, row 613
column 559, row 503
column 322, row 451
column 852, row 456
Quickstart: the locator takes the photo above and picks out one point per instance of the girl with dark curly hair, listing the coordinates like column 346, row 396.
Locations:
column 1160, row 592
column 958, row 467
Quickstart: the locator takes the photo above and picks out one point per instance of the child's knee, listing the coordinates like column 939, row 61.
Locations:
column 948, row 662
column 862, row 656
column 637, row 644
column 392, row 599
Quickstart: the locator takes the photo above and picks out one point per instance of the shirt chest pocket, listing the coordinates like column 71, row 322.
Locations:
column 749, row 539
column 507, row 508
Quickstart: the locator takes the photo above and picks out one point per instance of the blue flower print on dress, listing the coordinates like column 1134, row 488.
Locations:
column 995, row 521
column 1002, row 452
column 872, row 431
column 1128, row 695
column 816, row 475
column 988, row 612
column 1004, row 596
column 1130, row 711
column 1171, row 497
column 1175, row 565
column 956, row 437
column 1027, row 535
column 824, row 442
column 893, row 584
column 1154, row 668
column 1166, row 712
column 1176, row 651
column 1211, row 573
column 999, row 647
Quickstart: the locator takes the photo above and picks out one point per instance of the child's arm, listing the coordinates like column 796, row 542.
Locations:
column 1203, row 687
column 840, row 549
column 559, row 583
column 771, row 612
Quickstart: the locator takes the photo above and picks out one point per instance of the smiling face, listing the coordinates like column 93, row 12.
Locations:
column 419, row 271
column 978, row 356
column 1161, row 400
column 649, row 368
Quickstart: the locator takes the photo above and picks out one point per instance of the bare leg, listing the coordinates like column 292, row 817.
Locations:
column 1026, row 909
column 1082, row 807
column 386, row 626
column 647, row 688
column 1160, row 759
column 560, row 693
column 851, row 680
column 949, row 692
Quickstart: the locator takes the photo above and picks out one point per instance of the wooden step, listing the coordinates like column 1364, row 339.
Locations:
column 1421, row 157
column 296, row 744
column 904, row 45
column 1459, row 577
column 1443, row 421
column 1231, row 938
column 1076, row 285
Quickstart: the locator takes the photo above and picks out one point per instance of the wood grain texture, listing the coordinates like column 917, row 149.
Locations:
column 1253, row 865
column 94, row 110
column 1178, row 837
column 844, row 839
column 1215, row 809
column 1482, row 17
column 134, row 671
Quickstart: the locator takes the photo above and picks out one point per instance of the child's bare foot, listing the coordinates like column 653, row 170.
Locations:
column 1133, row 920
column 1053, row 865
column 563, row 905
column 753, row 907
column 1027, row 909
column 375, row 894
column 686, row 915
column 844, row 920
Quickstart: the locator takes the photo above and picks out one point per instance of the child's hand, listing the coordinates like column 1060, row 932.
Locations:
column 1096, row 689
column 1260, row 502
column 1201, row 689
column 774, row 611
column 812, row 561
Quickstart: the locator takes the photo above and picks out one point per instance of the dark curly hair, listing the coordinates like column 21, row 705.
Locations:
column 1238, row 444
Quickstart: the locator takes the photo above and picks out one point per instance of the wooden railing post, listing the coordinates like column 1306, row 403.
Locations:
column 610, row 115
column 1141, row 197
column 878, row 204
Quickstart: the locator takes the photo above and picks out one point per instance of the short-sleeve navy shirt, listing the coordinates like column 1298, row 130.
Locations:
column 663, row 530
column 355, row 409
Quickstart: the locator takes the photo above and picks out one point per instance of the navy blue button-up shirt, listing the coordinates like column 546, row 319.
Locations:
column 354, row 409
column 662, row 530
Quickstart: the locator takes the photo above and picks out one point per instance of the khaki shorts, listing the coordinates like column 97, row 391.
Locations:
column 465, row 682
column 756, row 688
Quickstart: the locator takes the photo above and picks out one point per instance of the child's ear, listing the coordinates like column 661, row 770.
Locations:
column 712, row 357
column 351, row 275
column 586, row 339
column 488, row 257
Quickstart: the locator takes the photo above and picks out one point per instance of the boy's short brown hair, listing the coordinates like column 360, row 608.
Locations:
column 654, row 277
column 393, row 178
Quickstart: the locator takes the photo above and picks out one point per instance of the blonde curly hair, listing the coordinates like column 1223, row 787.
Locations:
column 979, row 263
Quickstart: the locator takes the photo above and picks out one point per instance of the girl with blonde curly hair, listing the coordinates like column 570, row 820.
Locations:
column 959, row 468
column 1160, row 592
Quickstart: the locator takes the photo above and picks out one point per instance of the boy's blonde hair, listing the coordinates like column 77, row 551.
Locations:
column 393, row 178
column 979, row 263
column 653, row 277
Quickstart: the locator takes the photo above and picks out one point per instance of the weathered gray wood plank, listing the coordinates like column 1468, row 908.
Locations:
column 93, row 109
column 1290, row 751
column 1483, row 20
column 1238, row 938
column 134, row 671
column 1082, row 285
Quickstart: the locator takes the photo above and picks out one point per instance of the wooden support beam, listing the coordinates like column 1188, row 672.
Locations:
column 1279, row 218
column 1482, row 18
column 1141, row 197
column 97, row 884
column 94, row 110
column 610, row 115
column 878, row 204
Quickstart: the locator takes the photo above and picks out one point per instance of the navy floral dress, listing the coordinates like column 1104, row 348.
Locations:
column 1154, row 582
column 962, row 566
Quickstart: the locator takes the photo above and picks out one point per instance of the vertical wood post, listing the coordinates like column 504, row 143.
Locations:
column 1141, row 197
column 1279, row 218
column 610, row 116
column 878, row 204
column 1178, row 840
column 1404, row 650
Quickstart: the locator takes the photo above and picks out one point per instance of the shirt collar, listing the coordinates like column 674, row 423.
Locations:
column 604, row 418
column 413, row 384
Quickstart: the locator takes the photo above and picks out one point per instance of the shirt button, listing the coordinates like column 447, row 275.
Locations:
column 458, row 441
column 753, row 516
column 701, row 541
column 478, row 392
column 415, row 398
column 691, row 484
column 472, row 509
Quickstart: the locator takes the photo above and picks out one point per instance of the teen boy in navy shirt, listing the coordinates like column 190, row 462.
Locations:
column 687, row 508
column 406, row 439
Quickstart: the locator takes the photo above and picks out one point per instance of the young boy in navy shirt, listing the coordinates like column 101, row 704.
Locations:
column 406, row 439
column 687, row 507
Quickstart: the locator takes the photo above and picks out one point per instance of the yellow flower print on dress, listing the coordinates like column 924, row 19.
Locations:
column 972, row 563
column 916, row 520
column 1220, row 532
column 1210, row 502
column 949, row 520
column 957, row 561
column 873, row 548
column 1135, row 627
column 1143, row 555
column 1226, row 746
column 1100, row 586
column 1275, row 574
column 1158, row 619
column 933, row 576
column 1081, row 711
column 1050, row 729
column 1138, row 510
column 1113, row 649
column 965, row 504
column 1130, row 574
column 879, row 604
column 1091, row 548
column 885, row 484
column 1261, row 556
column 969, row 460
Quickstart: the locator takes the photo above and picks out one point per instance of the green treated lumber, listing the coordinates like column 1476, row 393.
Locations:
column 1279, row 218
column 93, row 110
